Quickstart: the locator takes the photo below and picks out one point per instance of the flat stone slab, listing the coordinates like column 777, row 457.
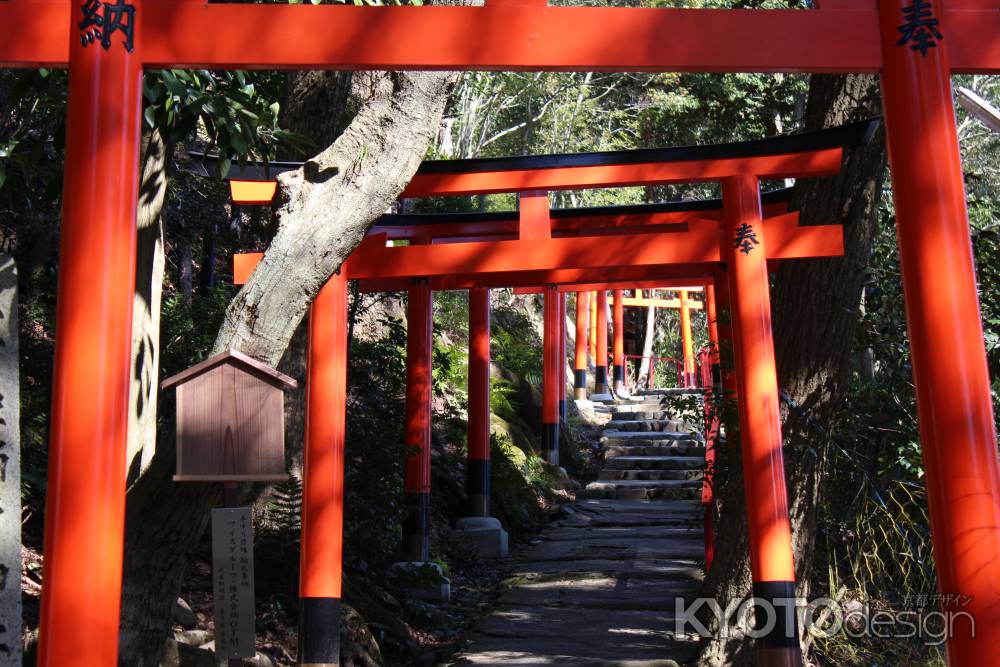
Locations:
column 644, row 488
column 673, row 391
column 655, row 462
column 599, row 586
column 649, row 474
column 580, row 634
column 648, row 425
column 611, row 434
column 621, row 533
column 663, row 568
column 650, row 448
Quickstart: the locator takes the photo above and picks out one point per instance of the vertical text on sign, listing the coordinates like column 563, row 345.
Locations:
column 232, row 574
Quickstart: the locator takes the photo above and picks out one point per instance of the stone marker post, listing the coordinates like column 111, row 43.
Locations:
column 10, row 469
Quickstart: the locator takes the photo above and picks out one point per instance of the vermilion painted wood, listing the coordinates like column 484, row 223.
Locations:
column 592, row 336
column 251, row 193
column 85, row 500
column 550, row 357
column 696, row 245
column 563, row 335
column 582, row 326
column 533, row 223
column 955, row 411
column 419, row 316
column 505, row 36
column 687, row 339
column 323, row 472
column 567, row 279
column 789, row 165
column 618, row 329
column 661, row 303
column 479, row 374
column 760, row 419
column 602, row 333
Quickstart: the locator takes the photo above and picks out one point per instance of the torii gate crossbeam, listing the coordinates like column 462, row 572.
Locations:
column 97, row 256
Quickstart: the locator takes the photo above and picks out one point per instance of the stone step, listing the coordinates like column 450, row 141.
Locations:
column 612, row 434
column 647, row 425
column 610, row 474
column 655, row 463
column 670, row 489
column 654, row 448
column 672, row 391
column 627, row 413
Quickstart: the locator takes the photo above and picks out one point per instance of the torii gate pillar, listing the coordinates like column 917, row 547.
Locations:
column 480, row 531
column 946, row 335
column 551, row 368
column 85, row 503
column 562, row 357
column 601, row 361
column 417, row 472
column 687, row 341
column 618, row 343
column 768, row 524
column 478, row 472
column 582, row 331
column 323, row 478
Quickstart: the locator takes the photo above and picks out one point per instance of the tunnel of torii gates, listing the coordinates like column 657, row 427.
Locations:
column 724, row 245
column 592, row 326
column 914, row 45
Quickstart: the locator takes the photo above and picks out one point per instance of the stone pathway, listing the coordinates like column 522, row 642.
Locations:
column 599, row 587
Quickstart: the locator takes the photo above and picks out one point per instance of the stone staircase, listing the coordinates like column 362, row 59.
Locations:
column 599, row 586
column 647, row 454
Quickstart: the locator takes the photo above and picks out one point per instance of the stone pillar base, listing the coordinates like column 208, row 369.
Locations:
column 423, row 580
column 483, row 535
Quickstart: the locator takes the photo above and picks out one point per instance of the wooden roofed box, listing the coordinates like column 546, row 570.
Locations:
column 230, row 420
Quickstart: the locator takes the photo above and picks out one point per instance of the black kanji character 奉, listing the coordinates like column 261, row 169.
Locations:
column 746, row 238
column 102, row 19
column 919, row 28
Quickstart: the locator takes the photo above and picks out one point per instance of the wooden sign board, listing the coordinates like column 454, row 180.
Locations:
column 230, row 420
column 232, row 582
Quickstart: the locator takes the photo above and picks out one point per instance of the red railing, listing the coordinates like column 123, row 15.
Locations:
column 632, row 370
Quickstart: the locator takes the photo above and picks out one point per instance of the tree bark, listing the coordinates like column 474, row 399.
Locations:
column 325, row 209
column 150, row 263
column 815, row 307
column 646, row 367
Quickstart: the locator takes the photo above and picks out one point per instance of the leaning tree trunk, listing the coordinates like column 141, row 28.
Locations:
column 326, row 208
column 815, row 306
column 150, row 263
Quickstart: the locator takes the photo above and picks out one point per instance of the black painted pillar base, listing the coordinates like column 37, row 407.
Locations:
column 416, row 528
column 477, row 487
column 319, row 632
column 601, row 380
column 562, row 410
column 780, row 646
column 580, row 383
column 550, row 443
column 618, row 377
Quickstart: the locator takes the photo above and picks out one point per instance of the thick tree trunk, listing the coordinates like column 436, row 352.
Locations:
column 646, row 367
column 815, row 311
column 325, row 210
column 155, row 160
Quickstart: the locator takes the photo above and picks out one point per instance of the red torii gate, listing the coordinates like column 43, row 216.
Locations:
column 692, row 243
column 101, row 181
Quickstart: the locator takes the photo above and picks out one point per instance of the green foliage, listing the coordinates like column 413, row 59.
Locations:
column 515, row 344
column 239, row 120
column 374, row 447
